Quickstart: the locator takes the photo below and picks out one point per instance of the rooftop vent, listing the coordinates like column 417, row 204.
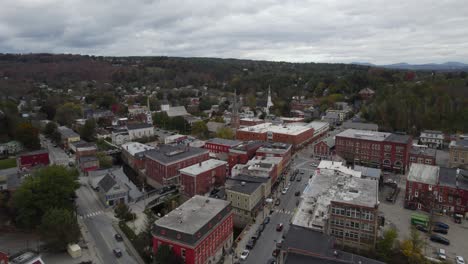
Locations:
column 243, row 183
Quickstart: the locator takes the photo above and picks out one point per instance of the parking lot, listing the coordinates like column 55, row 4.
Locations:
column 399, row 217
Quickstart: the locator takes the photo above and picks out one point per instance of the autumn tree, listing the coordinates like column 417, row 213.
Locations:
column 199, row 129
column 385, row 246
column 412, row 247
column 105, row 161
column 225, row 132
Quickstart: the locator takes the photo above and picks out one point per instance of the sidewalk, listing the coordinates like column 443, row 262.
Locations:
column 90, row 253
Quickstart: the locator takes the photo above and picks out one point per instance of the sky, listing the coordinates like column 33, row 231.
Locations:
column 376, row 31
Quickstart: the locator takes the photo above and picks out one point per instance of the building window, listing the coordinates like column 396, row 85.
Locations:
column 182, row 253
column 388, row 147
column 416, row 194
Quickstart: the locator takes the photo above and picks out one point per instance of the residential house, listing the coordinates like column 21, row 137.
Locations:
column 111, row 191
column 432, row 138
column 67, row 136
column 458, row 150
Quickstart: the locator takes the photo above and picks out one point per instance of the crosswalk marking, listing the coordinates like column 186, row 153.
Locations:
column 89, row 215
column 284, row 211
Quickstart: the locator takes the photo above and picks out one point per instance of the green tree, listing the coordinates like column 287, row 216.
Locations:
column 67, row 113
column 200, row 129
column 105, row 161
column 50, row 187
column 58, row 228
column 251, row 101
column 50, row 128
column 88, row 130
column 123, row 212
column 225, row 132
column 385, row 246
column 28, row 136
column 412, row 247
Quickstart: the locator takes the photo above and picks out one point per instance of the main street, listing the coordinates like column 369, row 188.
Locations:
column 282, row 213
column 98, row 221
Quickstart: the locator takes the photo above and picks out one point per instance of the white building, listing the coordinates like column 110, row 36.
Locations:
column 140, row 130
column 432, row 138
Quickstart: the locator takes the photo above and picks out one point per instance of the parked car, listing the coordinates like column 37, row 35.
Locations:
column 422, row 228
column 279, row 227
column 118, row 237
column 279, row 243
column 440, row 239
column 441, row 254
column 459, row 260
column 440, row 230
column 278, row 201
column 284, row 191
column 266, row 220
column 244, row 254
column 297, row 193
column 441, row 225
column 299, row 179
column 117, row 252
column 250, row 244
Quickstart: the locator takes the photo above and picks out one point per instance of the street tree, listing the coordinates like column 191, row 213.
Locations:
column 58, row 228
column 28, row 136
column 87, row 131
column 225, row 132
column 67, row 113
column 50, row 128
column 50, row 187
column 412, row 247
column 123, row 212
column 385, row 247
column 105, row 161
column 200, row 129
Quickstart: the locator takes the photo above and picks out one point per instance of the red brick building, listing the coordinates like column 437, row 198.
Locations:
column 198, row 231
column 295, row 134
column 325, row 149
column 374, row 149
column 444, row 189
column 242, row 153
column 202, row 177
column 220, row 145
column 422, row 155
column 133, row 154
column 88, row 163
column 163, row 163
column 32, row 159
column 83, row 149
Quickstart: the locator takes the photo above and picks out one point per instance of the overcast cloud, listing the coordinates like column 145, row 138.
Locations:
column 377, row 31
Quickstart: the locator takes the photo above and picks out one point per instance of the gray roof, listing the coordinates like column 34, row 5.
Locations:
column 462, row 143
column 88, row 158
column 177, row 111
column 192, row 215
column 109, row 184
column 138, row 126
column 360, row 125
column 364, row 134
column 369, row 172
column 66, row 132
column 222, row 141
column 432, row 131
column 423, row 173
column 35, row 152
column 168, row 154
column 423, row 151
column 308, row 246
column 448, row 177
column 244, row 183
column 397, row 138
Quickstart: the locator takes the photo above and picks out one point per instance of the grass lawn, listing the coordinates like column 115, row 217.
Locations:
column 7, row 163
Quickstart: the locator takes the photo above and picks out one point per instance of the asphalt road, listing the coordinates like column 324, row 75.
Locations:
column 56, row 154
column 99, row 224
column 283, row 213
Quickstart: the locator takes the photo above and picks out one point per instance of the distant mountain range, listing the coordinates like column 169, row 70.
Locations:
column 448, row 66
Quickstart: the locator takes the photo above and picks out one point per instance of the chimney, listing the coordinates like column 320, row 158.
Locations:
column 199, row 164
column 243, row 183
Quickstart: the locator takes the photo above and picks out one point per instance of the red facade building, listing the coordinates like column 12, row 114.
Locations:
column 220, row 145
column 32, row 159
column 444, row 189
column 422, row 155
column 163, row 163
column 295, row 134
column 202, row 177
column 374, row 149
column 242, row 153
column 325, row 149
column 198, row 231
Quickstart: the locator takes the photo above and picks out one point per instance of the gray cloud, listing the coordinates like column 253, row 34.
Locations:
column 375, row 31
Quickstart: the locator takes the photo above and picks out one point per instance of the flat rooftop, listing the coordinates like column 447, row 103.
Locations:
column 423, row 151
column 225, row 142
column 369, row 172
column 244, row 183
column 276, row 148
column 291, row 129
column 397, row 138
column 423, row 173
column 462, row 143
column 201, row 167
column 136, row 147
column 364, row 134
column 67, row 132
column 166, row 154
column 338, row 167
column 328, row 185
column 192, row 215
column 318, row 125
